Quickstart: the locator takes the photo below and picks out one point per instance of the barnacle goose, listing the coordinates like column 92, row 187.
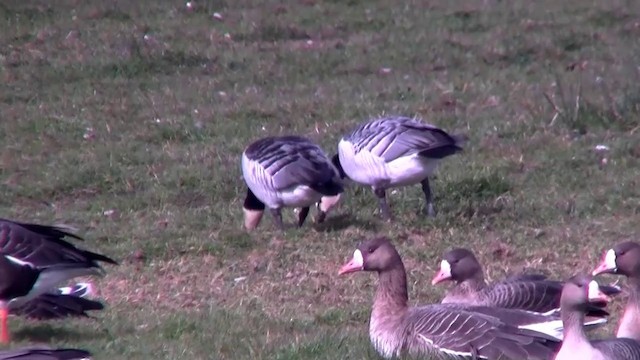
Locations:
column 287, row 171
column 394, row 151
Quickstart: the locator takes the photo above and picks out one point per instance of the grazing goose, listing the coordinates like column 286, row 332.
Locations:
column 531, row 292
column 44, row 353
column 287, row 171
column 435, row 331
column 33, row 260
column 394, row 151
column 576, row 345
column 624, row 259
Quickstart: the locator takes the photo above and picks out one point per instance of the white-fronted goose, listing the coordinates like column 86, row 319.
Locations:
column 44, row 353
column 576, row 345
column 33, row 260
column 531, row 292
column 624, row 259
column 287, row 171
column 394, row 151
column 434, row 331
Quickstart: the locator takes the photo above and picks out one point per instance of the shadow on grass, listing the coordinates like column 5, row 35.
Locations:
column 48, row 333
column 343, row 221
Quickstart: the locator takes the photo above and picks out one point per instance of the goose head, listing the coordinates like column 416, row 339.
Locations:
column 373, row 255
column 623, row 259
column 325, row 205
column 457, row 265
column 253, row 210
column 578, row 291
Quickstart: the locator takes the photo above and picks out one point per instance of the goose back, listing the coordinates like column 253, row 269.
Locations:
column 275, row 167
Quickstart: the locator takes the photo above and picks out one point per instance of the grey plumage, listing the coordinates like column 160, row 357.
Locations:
column 435, row 331
column 532, row 292
column 291, row 161
column 394, row 151
column 618, row 349
column 393, row 137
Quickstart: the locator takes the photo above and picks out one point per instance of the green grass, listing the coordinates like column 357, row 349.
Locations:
column 96, row 117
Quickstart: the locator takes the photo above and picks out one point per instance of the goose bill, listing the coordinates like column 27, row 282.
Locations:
column 328, row 202
column 608, row 264
column 252, row 218
column 355, row 264
column 595, row 294
column 444, row 274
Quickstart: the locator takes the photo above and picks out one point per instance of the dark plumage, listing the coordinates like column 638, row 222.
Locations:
column 43, row 245
column 576, row 345
column 435, row 331
column 44, row 353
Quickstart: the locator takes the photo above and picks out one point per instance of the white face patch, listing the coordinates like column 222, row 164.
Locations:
column 610, row 260
column 594, row 290
column 445, row 269
column 357, row 260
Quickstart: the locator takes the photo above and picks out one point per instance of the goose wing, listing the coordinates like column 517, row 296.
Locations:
column 395, row 137
column 467, row 334
column 292, row 161
column 619, row 349
column 55, row 306
column 540, row 296
column 44, row 353
column 43, row 245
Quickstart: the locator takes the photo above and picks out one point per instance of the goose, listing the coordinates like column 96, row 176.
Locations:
column 394, row 151
column 33, row 260
column 44, row 353
column 68, row 301
column 287, row 171
column 50, row 306
column 438, row 330
column 576, row 345
column 624, row 259
column 533, row 292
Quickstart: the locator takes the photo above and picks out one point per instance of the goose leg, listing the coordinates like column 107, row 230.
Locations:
column 302, row 215
column 277, row 217
column 382, row 200
column 426, row 189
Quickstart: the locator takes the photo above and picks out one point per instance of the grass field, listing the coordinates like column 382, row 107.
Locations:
column 127, row 121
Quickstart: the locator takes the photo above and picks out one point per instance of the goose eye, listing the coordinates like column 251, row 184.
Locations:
column 371, row 250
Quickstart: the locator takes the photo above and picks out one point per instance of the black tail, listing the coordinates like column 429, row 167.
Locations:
column 99, row 257
column 55, row 306
column 441, row 151
column 447, row 149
